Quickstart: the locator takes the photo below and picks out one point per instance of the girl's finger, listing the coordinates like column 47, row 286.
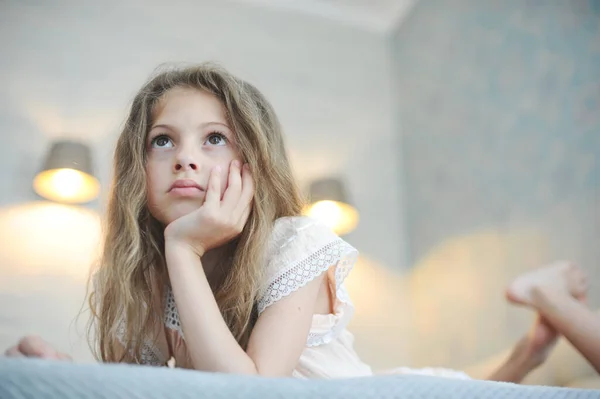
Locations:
column 36, row 347
column 234, row 186
column 247, row 187
column 13, row 352
column 244, row 217
column 64, row 356
column 213, row 191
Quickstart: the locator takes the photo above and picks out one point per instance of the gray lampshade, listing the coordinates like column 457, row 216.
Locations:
column 330, row 204
column 331, row 189
column 67, row 174
column 69, row 154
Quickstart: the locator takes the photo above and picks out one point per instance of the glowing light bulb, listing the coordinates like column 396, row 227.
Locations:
column 67, row 182
column 66, row 185
column 340, row 217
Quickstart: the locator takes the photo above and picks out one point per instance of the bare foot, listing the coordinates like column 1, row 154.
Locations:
column 556, row 278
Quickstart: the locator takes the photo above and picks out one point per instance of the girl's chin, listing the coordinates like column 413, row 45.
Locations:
column 180, row 212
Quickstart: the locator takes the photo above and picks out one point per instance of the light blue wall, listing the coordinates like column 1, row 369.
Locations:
column 499, row 111
column 499, row 103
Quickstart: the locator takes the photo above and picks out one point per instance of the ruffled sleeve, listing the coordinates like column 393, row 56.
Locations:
column 301, row 249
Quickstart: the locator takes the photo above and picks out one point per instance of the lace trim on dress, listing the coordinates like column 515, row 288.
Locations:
column 338, row 253
column 150, row 355
column 171, row 314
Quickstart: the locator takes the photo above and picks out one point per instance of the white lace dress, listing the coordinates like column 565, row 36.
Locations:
column 300, row 250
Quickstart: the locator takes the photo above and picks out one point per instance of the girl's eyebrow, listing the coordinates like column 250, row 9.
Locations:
column 201, row 126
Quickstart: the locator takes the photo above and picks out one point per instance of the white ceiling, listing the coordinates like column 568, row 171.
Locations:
column 374, row 15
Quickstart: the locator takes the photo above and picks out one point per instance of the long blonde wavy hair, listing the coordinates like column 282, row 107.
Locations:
column 132, row 273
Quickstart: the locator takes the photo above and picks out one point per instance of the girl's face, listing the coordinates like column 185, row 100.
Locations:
column 189, row 136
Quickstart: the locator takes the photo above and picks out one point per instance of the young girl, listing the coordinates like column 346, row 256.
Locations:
column 207, row 262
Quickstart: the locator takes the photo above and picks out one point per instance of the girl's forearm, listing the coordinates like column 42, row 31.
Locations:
column 211, row 345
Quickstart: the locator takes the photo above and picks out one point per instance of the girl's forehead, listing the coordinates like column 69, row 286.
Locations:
column 178, row 98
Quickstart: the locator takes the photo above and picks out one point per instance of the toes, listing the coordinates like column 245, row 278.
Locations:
column 580, row 282
column 513, row 295
column 582, row 298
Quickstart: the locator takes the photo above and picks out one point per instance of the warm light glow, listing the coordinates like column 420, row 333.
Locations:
column 458, row 288
column 340, row 217
column 66, row 185
column 46, row 238
column 375, row 288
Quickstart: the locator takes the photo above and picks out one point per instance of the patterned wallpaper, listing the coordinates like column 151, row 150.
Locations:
column 499, row 107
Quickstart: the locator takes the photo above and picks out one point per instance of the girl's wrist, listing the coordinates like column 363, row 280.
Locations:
column 178, row 246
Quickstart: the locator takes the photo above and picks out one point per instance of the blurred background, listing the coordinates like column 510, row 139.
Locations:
column 465, row 133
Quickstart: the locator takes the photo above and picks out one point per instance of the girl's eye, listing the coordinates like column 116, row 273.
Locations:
column 161, row 141
column 216, row 139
